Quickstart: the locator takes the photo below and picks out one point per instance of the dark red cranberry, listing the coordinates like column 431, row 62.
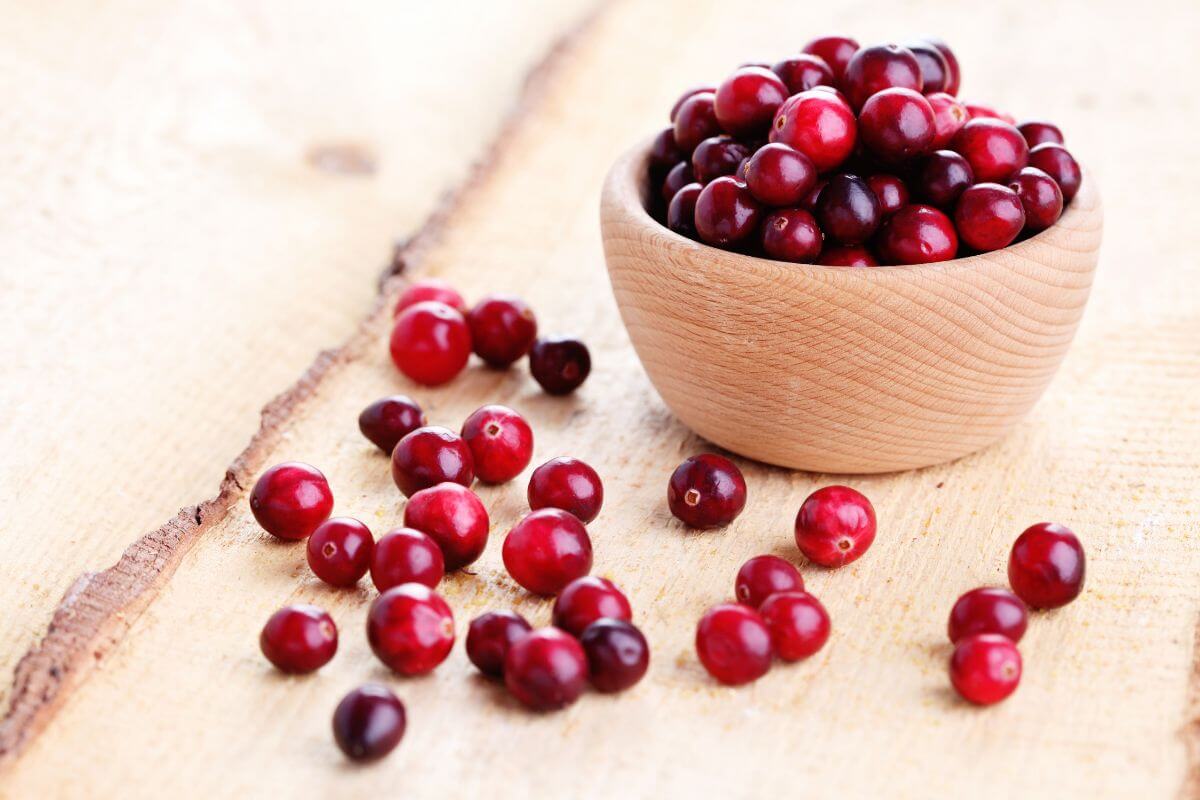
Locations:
column 1038, row 132
column 689, row 93
column 848, row 210
column 410, row 628
column 994, row 149
column 559, row 364
column 617, row 653
column 501, row 443
column 980, row 111
column 988, row 610
column 819, row 125
column 1040, row 196
column 989, row 216
column 953, row 74
column 746, row 101
column 985, row 668
column 681, row 211
column 896, row 124
column 717, row 156
column 369, row 722
column 569, row 484
column 339, row 551
column 429, row 456
column 941, row 177
column 435, row 289
column 680, row 175
column 835, row 50
column 890, row 191
column 835, row 525
column 502, row 329
column 949, row 116
column 706, row 491
column 299, row 639
column 546, row 670
column 695, row 121
column 779, row 175
column 842, row 255
column 873, row 69
column 935, row 72
column 798, row 623
column 291, row 499
column 917, row 234
column 803, row 72
column 1046, row 568
column 792, row 234
column 405, row 555
column 1055, row 161
column 454, row 518
column 664, row 153
column 763, row 576
column 489, row 637
column 389, row 420
column 809, row 203
column 430, row 343
column 734, row 644
column 587, row 599
column 726, row 212
column 546, row 550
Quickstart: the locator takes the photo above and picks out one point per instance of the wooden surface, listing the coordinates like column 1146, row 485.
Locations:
column 180, row 703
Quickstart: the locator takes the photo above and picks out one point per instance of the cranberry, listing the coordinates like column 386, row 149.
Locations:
column 406, row 555
column 339, row 551
column 681, row 211
column 980, row 111
column 994, row 149
column 941, row 177
column 546, row 670
column 695, row 90
column 779, row 175
column 299, row 639
column 454, row 518
column 763, row 576
column 546, row 550
column 917, row 234
column 890, row 191
column 792, row 234
column 368, row 723
column 1055, row 161
column 559, row 364
column 1046, row 568
column 989, row 216
column 664, row 153
column 835, row 50
column 617, row 653
column 949, row 116
column 695, row 121
column 734, row 644
column 501, row 443
column 809, row 203
column 819, row 125
column 953, row 73
column 803, row 72
column 1040, row 196
column 746, row 101
column 835, row 525
column 502, row 329
column 841, row 255
column 429, row 456
column 706, row 491
column 291, row 499
column 569, row 484
column 587, row 599
column 726, row 212
column 410, row 628
column 798, row 623
column 490, row 636
column 435, row 289
column 988, row 610
column 848, row 210
column 985, row 668
column 873, row 69
column 935, row 72
column 389, row 420
column 430, row 343
column 1037, row 132
column 680, row 175
column 717, row 156
column 896, row 124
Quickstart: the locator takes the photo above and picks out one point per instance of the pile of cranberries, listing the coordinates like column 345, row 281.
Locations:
column 855, row 156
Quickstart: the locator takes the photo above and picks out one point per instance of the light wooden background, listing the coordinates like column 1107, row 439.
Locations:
column 130, row 214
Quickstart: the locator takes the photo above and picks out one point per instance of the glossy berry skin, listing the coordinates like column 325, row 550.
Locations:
column 980, row 111
column 809, row 203
column 835, row 526
column 547, row 550
column 569, row 484
column 429, row 456
column 369, row 722
column 746, row 101
column 934, row 70
column 1046, row 567
column 454, row 518
column 1037, row 132
column 798, row 623
column 617, row 653
column 299, row 639
column 763, row 576
column 405, row 555
column 681, row 211
column 1040, row 196
column 587, row 599
column 430, row 343
column 873, row 69
column 1055, row 161
column 390, row 419
column 559, row 364
column 410, row 629
column 501, row 443
column 502, row 329
column 917, row 234
column 941, row 177
column 994, row 149
column 679, row 176
column 989, row 216
column 848, row 210
column 819, row 125
column 779, row 175
column 896, row 125
column 949, row 115
column 664, row 153
column 836, row 51
column 339, row 551
column 434, row 289
column 489, row 637
column 843, row 255
column 689, row 93
column 546, row 670
column 985, row 668
column 706, row 491
column 734, row 644
column 803, row 72
column 717, row 156
column 792, row 234
column 291, row 499
column 696, row 121
column 890, row 191
column 726, row 212
column 988, row 610
column 953, row 73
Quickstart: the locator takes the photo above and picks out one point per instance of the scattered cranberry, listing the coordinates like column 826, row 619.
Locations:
column 664, row 153
column 405, row 555
column 989, row 216
column 985, row 668
column 917, row 234
column 695, row 121
column 942, row 177
column 1055, row 161
column 430, row 343
column 819, row 125
column 734, row 644
column 587, row 599
column 803, row 72
column 717, row 156
column 681, row 211
column 546, row 670
column 763, row 576
column 835, row 50
column 1037, row 132
column 988, row 610
column 547, row 550
column 949, row 116
column 429, row 456
column 848, row 210
column 890, row 191
column 339, row 551
column 389, row 420
column 980, row 111
column 501, row 443
column 935, row 72
column 679, row 176
column 569, row 484
column 746, row 101
column 835, row 526
column 873, row 69
column 1046, row 568
column 299, row 639
column 489, row 637
column 1040, row 196
column 706, row 491
column 454, row 518
column 798, row 623
column 726, row 212
column 792, row 234
column 502, row 329
column 291, row 499
column 617, row 653
column 410, row 628
column 559, row 364
column 369, row 722
column 994, row 149
column 953, row 73
column 695, row 90
column 896, row 124
column 435, row 289
column 779, row 175
column 841, row 255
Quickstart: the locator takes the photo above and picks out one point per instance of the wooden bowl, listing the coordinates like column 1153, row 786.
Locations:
column 836, row 369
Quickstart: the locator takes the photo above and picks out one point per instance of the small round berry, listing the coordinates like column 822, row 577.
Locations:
column 454, row 518
column 299, row 639
column 941, row 177
column 935, row 72
column 560, row 364
column 410, row 628
column 501, row 443
column 949, row 116
column 695, row 90
column 746, row 101
column 763, row 576
column 1040, row 196
column 429, row 456
column 339, row 551
column 980, row 111
column 734, row 644
column 489, row 637
column 896, row 125
column 502, row 329
column 798, row 623
column 405, row 555
column 695, row 121
column 809, row 203
column 803, row 72
column 587, row 599
column 369, row 722
column 664, row 153
column 818, row 124
column 717, row 156
column 1047, row 566
column 779, row 175
column 569, row 484
column 890, row 191
column 835, row 50
column 1037, row 132
column 291, row 499
column 726, row 212
column 994, row 149
column 617, row 653
column 547, row 550
column 1058, row 163
column 835, row 525
column 989, row 216
column 953, row 73
column 792, row 234
column 679, row 176
column 389, row 420
column 848, row 210
column 873, row 69
column 546, row 670
column 430, row 343
column 430, row 289
column 985, row 668
column 917, row 234
column 681, row 211
column 844, row 255
column 706, row 491
column 988, row 610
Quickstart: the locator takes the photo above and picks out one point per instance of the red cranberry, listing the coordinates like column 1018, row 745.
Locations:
column 841, row 255
column 980, row 111
column 490, row 636
column 873, row 69
column 726, row 212
column 664, row 153
column 501, row 443
column 1046, row 568
column 994, row 149
column 890, row 191
column 406, row 555
column 291, row 499
column 587, row 599
column 695, row 121
column 848, row 210
column 734, row 644
column 835, row 526
column 1055, row 161
column 985, row 668
column 430, row 343
column 746, row 101
column 941, row 177
column 896, row 124
column 546, row 670
column 803, row 72
column 559, row 364
column 949, row 116
column 339, row 551
column 798, row 623
column 835, row 50
column 707, row 491
column 1040, row 196
column 809, row 203
column 953, row 74
column 502, row 329
column 792, row 234
column 779, row 175
column 763, row 576
column 429, row 456
column 679, row 176
column 695, row 90
column 435, row 289
column 935, row 72
column 454, row 518
column 569, row 484
column 717, row 156
column 547, row 550
column 1038, row 132
column 369, row 722
column 681, row 211
column 617, row 653
column 917, row 234
column 988, row 610
column 819, row 125
column 299, row 639
column 410, row 628
column 389, row 420
column 989, row 216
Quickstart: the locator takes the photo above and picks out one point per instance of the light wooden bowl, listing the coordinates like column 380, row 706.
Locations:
column 835, row 369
